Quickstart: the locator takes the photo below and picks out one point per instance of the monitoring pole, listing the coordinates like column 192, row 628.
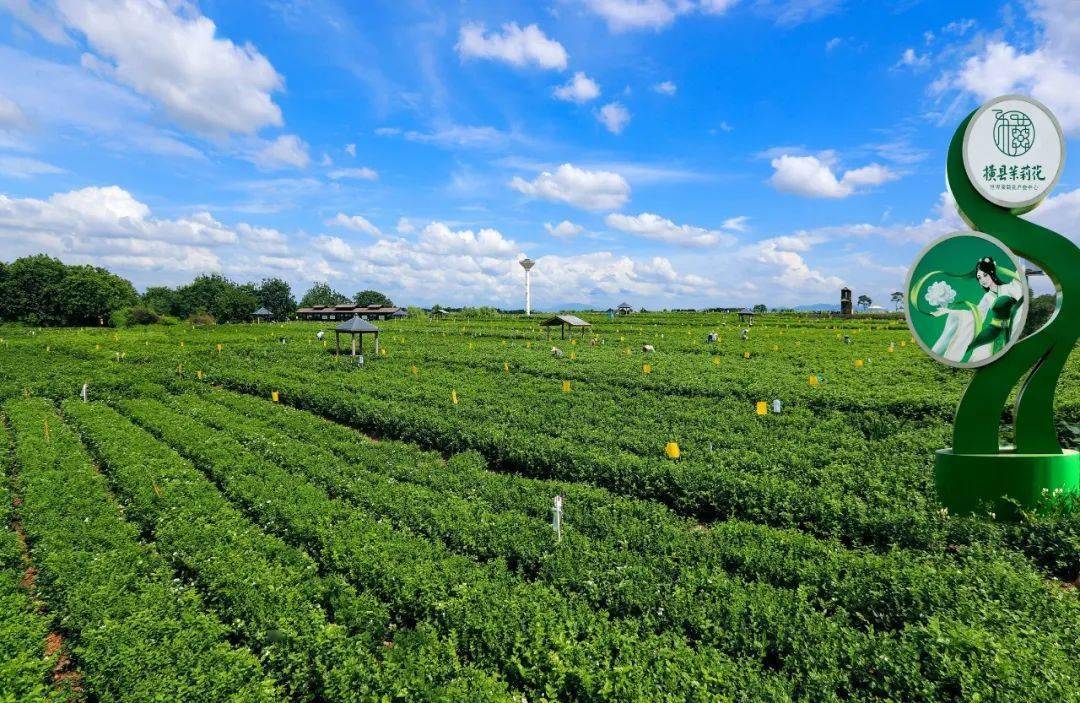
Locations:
column 527, row 264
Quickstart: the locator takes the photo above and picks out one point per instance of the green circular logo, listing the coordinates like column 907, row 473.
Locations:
column 967, row 299
column 1014, row 132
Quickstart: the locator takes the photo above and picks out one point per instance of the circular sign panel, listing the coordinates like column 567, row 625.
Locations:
column 967, row 299
column 1013, row 151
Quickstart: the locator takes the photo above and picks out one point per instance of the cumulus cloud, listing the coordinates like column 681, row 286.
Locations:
column 588, row 190
column 565, row 229
column 665, row 88
column 404, row 226
column 438, row 238
column 911, row 59
column 363, row 174
column 790, row 269
column 350, row 149
column 515, row 46
column 355, row 222
column 813, row 176
column 614, row 116
column 736, row 224
column 579, row 89
column 286, row 151
column 1050, row 72
column 650, row 226
column 171, row 53
column 334, row 247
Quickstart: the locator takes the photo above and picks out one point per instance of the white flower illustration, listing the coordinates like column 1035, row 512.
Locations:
column 940, row 294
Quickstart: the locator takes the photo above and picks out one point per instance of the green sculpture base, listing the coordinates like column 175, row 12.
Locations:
column 975, row 483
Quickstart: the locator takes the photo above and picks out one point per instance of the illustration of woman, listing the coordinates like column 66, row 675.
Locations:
column 975, row 331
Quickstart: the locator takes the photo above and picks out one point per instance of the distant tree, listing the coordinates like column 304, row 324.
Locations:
column 217, row 296
column 160, row 299
column 87, row 295
column 367, row 298
column 28, row 290
column 898, row 299
column 322, row 294
column 761, row 307
column 276, row 296
column 865, row 302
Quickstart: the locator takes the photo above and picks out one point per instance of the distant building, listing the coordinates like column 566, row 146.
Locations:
column 333, row 313
column 624, row 309
column 845, row 301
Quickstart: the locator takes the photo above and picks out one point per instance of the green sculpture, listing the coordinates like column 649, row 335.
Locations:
column 977, row 474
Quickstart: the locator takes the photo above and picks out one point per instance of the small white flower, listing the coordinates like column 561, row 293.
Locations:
column 940, row 294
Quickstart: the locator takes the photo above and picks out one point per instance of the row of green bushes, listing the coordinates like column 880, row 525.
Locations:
column 138, row 634
column 546, row 645
column 828, row 631
column 24, row 668
column 272, row 593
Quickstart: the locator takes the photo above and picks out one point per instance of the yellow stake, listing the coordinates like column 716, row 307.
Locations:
column 415, row 370
column 218, row 346
column 506, row 367
column 671, row 450
column 646, row 368
column 274, row 396
column 762, row 408
column 566, row 386
column 813, row 380
column 746, row 355
column 716, row 361
column 453, row 396
column 858, row 363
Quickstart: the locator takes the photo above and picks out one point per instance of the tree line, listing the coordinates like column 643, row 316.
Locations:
column 41, row 290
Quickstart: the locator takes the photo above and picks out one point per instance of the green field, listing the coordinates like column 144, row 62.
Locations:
column 383, row 532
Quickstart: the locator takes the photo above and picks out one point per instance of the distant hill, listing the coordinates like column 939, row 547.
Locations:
column 817, row 307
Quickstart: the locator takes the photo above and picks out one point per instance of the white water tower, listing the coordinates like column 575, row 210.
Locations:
column 527, row 264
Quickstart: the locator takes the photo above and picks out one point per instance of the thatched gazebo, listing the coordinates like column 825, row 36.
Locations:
column 356, row 327
column 746, row 315
column 262, row 314
column 565, row 321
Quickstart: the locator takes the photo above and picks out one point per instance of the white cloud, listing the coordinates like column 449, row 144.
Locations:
column 832, row 44
column 404, row 226
column 736, row 224
column 566, row 229
column 438, row 238
column 580, row 89
column 650, row 226
column 790, row 270
column 912, row 59
column 666, row 88
column 363, row 174
column 11, row 115
column 334, row 247
column 288, row 150
column 1050, row 72
column 624, row 15
column 25, row 167
column 355, row 222
column 813, row 177
column 515, row 46
column 350, row 149
column 588, row 190
column 614, row 117
column 169, row 52
column 448, row 136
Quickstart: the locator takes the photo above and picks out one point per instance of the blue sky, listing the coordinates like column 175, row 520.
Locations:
column 672, row 153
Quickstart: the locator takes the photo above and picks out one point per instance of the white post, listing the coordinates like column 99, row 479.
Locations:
column 84, row 389
column 556, row 518
column 527, row 264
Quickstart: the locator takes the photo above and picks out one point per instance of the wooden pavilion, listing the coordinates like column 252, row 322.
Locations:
column 746, row 315
column 262, row 314
column 565, row 321
column 356, row 327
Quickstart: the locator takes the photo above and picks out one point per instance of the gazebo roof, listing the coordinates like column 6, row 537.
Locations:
column 625, row 305
column 746, row 311
column 262, row 312
column 357, row 326
column 571, row 320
